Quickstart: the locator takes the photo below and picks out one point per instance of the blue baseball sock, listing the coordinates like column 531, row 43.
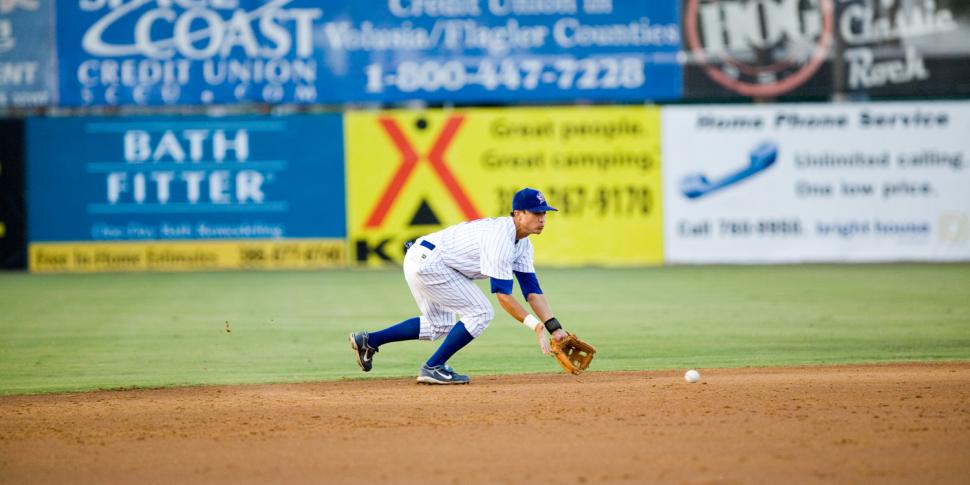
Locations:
column 406, row 330
column 457, row 338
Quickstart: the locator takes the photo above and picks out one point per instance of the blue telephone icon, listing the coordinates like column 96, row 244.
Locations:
column 697, row 184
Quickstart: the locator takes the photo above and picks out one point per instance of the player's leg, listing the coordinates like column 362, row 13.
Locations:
column 435, row 370
column 423, row 276
column 467, row 300
column 461, row 296
column 407, row 330
column 366, row 344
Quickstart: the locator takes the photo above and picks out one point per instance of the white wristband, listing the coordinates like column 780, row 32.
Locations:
column 531, row 322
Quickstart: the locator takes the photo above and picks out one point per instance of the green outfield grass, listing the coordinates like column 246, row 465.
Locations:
column 82, row 332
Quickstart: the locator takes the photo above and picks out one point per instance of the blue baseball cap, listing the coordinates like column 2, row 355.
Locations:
column 530, row 200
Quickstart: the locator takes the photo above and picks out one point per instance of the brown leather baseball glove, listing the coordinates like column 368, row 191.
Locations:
column 573, row 354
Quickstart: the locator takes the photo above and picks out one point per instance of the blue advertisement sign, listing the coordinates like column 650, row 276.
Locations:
column 175, row 178
column 26, row 53
column 157, row 52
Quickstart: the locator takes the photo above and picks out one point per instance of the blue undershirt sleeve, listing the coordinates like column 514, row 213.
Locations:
column 501, row 286
column 528, row 283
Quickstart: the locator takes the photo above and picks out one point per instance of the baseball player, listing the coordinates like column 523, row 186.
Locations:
column 439, row 269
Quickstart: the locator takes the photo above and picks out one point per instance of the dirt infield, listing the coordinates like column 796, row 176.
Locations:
column 859, row 424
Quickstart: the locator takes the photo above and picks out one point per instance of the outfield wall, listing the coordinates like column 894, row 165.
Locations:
column 636, row 185
column 156, row 53
column 817, row 182
column 183, row 193
column 411, row 173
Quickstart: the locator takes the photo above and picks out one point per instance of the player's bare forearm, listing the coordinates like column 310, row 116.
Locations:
column 540, row 305
column 512, row 306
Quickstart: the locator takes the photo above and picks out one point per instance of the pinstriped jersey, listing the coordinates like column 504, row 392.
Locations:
column 484, row 248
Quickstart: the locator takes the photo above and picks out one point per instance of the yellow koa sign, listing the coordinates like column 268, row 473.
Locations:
column 410, row 173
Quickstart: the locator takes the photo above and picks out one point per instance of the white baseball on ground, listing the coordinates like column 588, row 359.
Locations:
column 692, row 376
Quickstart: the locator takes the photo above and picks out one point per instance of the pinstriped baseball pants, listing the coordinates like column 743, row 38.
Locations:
column 444, row 295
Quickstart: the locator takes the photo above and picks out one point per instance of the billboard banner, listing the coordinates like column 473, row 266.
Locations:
column 412, row 173
column 13, row 246
column 783, row 48
column 817, row 182
column 26, row 53
column 184, row 186
column 154, row 52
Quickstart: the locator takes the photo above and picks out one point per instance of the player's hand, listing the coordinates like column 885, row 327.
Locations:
column 559, row 334
column 543, row 341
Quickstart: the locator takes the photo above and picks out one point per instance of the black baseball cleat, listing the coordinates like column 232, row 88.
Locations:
column 363, row 351
column 441, row 374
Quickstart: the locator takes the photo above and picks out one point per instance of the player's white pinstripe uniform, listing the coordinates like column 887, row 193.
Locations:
column 441, row 278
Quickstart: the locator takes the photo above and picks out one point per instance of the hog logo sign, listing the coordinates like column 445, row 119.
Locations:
column 759, row 47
